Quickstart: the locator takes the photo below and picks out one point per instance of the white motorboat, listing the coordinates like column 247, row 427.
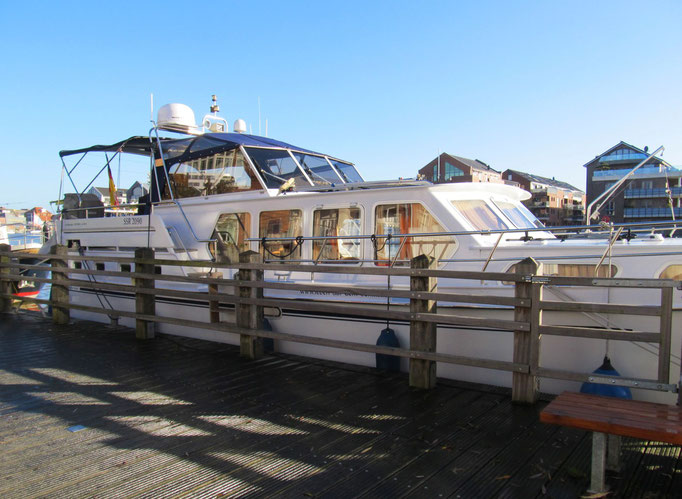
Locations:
column 215, row 194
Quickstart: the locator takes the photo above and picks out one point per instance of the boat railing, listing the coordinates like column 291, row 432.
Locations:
column 610, row 232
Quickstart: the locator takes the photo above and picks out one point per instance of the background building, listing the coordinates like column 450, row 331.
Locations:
column 553, row 202
column 124, row 196
column 448, row 168
column 653, row 193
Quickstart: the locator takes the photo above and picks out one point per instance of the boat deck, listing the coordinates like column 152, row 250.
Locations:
column 86, row 410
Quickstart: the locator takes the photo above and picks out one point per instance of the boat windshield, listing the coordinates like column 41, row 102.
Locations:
column 347, row 171
column 318, row 168
column 276, row 166
column 518, row 214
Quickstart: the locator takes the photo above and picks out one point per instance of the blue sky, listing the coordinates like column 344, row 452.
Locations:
column 541, row 87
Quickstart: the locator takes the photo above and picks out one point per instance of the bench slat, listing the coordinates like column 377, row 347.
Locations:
column 631, row 418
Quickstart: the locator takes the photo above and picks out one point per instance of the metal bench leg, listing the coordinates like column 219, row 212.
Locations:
column 597, row 483
column 613, row 455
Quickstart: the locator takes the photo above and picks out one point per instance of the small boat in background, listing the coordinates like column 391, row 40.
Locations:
column 24, row 242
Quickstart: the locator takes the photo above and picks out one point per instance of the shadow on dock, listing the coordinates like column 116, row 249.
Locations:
column 87, row 410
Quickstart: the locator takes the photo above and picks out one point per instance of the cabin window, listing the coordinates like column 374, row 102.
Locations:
column 276, row 166
column 479, row 214
column 231, row 233
column 573, row 270
column 337, row 222
column 318, row 169
column 281, row 224
column 408, row 218
column 518, row 215
column 217, row 174
column 672, row 272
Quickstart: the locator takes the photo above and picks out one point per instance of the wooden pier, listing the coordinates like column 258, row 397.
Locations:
column 88, row 410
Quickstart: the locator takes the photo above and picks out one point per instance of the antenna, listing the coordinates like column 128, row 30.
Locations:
column 214, row 107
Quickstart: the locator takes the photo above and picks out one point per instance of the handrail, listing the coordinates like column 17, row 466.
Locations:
column 570, row 230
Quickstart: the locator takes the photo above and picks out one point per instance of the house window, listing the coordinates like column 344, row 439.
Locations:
column 278, row 225
column 337, row 222
column 452, row 171
column 408, row 218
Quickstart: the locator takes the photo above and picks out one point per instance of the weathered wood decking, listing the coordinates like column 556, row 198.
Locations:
column 176, row 417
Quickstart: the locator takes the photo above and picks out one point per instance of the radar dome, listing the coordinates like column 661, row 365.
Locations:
column 176, row 117
column 239, row 126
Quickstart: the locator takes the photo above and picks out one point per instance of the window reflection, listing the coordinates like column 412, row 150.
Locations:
column 337, row 222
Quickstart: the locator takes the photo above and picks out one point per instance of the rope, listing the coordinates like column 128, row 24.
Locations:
column 373, row 238
column 299, row 242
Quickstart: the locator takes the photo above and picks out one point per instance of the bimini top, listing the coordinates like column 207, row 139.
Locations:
column 132, row 145
column 186, row 149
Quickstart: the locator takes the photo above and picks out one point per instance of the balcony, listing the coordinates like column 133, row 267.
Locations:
column 643, row 172
column 622, row 157
column 659, row 192
column 662, row 212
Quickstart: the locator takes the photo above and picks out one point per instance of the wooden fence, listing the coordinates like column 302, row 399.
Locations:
column 70, row 269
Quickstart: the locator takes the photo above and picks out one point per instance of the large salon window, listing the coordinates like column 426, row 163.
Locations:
column 281, row 224
column 479, row 214
column 217, row 174
column 333, row 223
column 408, row 218
column 231, row 233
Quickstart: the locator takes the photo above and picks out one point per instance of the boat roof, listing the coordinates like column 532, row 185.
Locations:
column 188, row 148
column 133, row 145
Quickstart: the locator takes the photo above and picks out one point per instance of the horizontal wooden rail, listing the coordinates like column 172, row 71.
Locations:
column 600, row 308
column 414, row 297
column 603, row 334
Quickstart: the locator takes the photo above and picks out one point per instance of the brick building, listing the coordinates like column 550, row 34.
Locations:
column 448, row 168
column 553, row 202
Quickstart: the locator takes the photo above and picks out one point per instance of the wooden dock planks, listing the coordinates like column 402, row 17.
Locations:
column 173, row 417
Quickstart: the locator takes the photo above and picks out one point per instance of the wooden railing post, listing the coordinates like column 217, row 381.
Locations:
column 5, row 283
column 248, row 315
column 422, row 334
column 525, row 386
column 214, row 305
column 665, row 330
column 60, row 291
column 144, row 303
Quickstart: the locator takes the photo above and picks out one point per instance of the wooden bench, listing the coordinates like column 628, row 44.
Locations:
column 609, row 419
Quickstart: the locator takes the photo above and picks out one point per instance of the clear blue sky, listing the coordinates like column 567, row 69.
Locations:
column 541, row 86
